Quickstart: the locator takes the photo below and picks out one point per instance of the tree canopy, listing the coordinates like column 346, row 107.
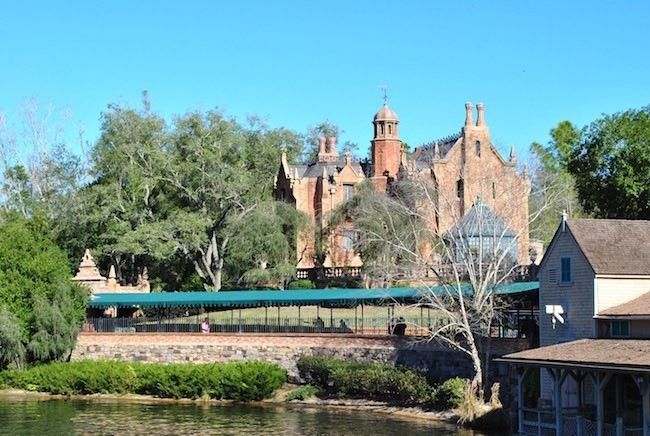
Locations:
column 40, row 309
column 611, row 165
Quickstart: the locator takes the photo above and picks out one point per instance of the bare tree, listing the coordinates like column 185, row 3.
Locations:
column 458, row 264
column 38, row 169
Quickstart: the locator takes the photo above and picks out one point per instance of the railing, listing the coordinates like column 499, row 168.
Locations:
column 520, row 273
column 365, row 326
column 575, row 422
column 419, row 326
column 538, row 422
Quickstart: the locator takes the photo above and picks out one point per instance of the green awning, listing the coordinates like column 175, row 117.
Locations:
column 253, row 298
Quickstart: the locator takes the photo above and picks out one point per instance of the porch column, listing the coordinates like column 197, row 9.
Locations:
column 643, row 383
column 600, row 381
column 646, row 405
column 522, row 373
column 619, row 404
column 558, row 376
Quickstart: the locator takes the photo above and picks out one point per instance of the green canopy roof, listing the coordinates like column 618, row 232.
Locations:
column 245, row 299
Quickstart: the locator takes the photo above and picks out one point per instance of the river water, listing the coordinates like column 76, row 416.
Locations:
column 69, row 417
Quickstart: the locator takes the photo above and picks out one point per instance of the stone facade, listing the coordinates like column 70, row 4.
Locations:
column 89, row 276
column 462, row 168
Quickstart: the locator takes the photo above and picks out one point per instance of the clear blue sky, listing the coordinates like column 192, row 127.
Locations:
column 296, row 63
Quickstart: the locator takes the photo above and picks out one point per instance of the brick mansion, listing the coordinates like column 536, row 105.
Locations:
column 463, row 168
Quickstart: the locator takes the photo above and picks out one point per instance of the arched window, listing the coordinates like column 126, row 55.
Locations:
column 381, row 126
column 494, row 191
column 478, row 148
column 460, row 188
column 390, row 129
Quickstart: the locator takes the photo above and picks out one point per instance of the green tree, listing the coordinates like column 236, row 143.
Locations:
column 611, row 165
column 553, row 188
column 37, row 297
column 262, row 248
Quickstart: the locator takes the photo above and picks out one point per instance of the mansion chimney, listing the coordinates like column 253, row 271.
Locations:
column 468, row 114
column 480, row 117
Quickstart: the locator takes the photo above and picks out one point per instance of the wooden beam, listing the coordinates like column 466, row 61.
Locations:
column 521, row 376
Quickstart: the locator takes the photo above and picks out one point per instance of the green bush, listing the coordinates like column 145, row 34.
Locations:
column 303, row 393
column 241, row 381
column 301, row 284
column 374, row 381
column 451, row 393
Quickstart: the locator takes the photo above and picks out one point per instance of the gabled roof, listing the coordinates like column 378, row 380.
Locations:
column 609, row 354
column 637, row 308
column 481, row 220
column 424, row 154
column 315, row 169
column 614, row 246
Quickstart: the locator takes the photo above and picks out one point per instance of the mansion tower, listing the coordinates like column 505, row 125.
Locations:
column 464, row 168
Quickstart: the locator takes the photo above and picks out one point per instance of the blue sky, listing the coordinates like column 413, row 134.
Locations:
column 296, row 63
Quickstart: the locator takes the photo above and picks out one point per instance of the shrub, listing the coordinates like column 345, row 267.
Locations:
column 301, row 284
column 241, row 381
column 451, row 393
column 374, row 381
column 302, row 393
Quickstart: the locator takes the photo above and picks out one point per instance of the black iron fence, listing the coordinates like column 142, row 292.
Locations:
column 513, row 324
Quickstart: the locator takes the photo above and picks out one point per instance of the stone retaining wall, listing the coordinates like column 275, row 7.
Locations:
column 440, row 362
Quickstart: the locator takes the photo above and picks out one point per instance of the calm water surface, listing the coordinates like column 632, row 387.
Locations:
column 67, row 417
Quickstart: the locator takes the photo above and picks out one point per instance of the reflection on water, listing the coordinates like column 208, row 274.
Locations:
column 64, row 417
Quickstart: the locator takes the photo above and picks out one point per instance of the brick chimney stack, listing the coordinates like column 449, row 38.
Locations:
column 468, row 114
column 480, row 117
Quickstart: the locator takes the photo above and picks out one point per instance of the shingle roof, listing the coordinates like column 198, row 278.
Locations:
column 639, row 307
column 622, row 354
column 614, row 246
column 315, row 169
column 425, row 153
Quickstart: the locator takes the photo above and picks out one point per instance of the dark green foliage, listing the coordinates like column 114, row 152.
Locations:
column 35, row 288
column 451, row 393
column 611, row 165
column 302, row 393
column 240, row 381
column 302, row 284
column 374, row 381
column 12, row 350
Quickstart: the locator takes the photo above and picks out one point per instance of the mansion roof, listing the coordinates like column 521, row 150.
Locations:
column 607, row 354
column 614, row 246
column 424, row 154
column 315, row 169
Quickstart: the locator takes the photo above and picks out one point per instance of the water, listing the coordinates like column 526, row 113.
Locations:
column 68, row 417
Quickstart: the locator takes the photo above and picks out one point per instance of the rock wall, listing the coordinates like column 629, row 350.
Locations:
column 438, row 361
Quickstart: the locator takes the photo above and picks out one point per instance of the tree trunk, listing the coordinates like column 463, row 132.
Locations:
column 476, row 388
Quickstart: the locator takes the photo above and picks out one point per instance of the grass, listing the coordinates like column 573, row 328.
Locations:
column 374, row 316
